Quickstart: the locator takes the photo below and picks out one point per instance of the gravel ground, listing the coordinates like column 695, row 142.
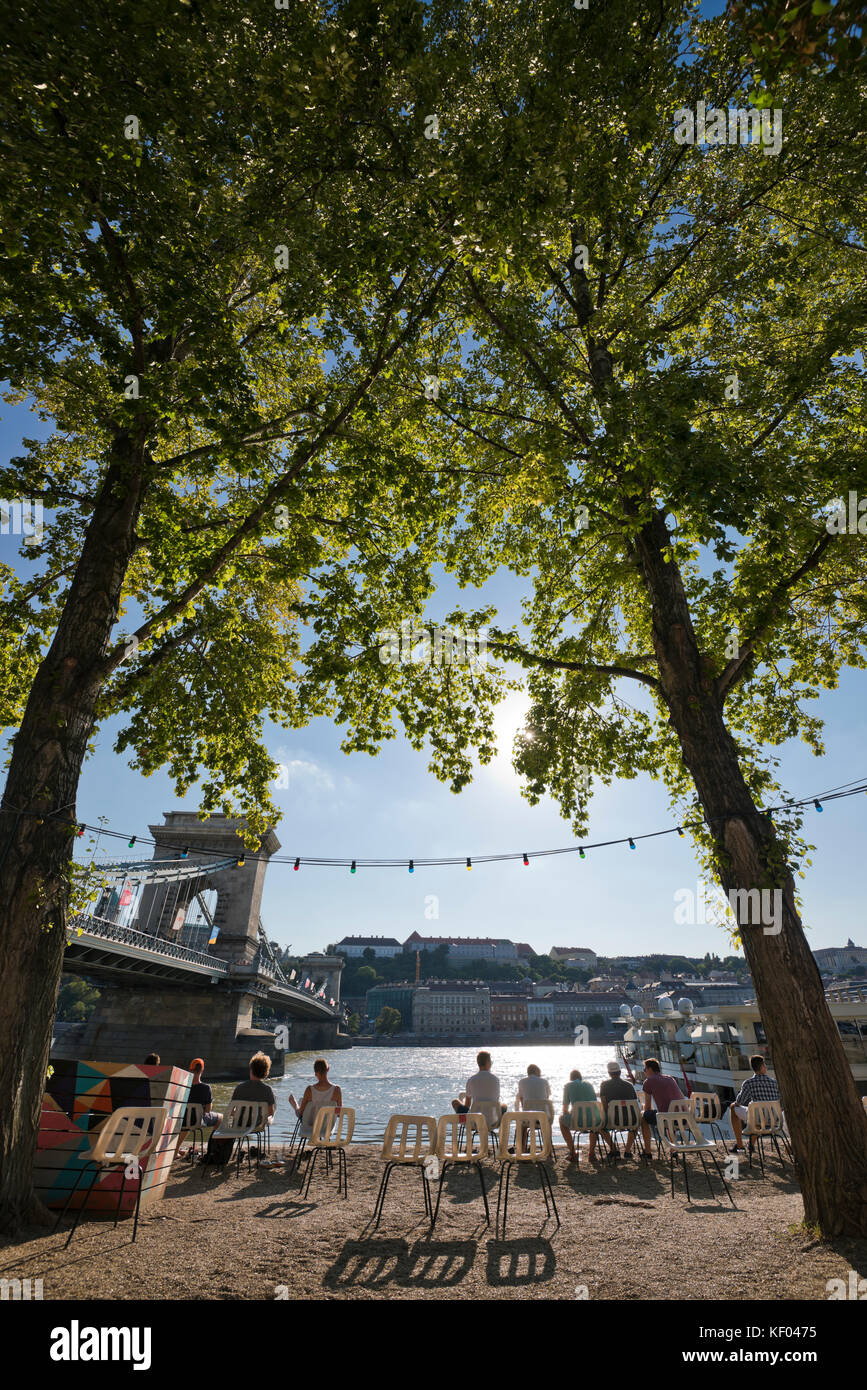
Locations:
column 218, row 1236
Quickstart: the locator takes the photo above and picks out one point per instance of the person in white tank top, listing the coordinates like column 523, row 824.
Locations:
column 316, row 1098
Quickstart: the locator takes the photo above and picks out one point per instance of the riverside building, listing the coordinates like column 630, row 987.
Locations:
column 451, row 1007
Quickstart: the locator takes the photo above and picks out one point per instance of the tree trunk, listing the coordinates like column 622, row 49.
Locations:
column 37, row 823
column 823, row 1109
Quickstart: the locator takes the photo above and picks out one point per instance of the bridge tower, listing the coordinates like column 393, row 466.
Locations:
column 323, row 971
column 239, row 891
column 211, row 1018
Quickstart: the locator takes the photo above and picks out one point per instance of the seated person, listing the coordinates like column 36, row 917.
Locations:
column 219, row 1148
column 661, row 1089
column 534, row 1093
column 201, row 1094
column 483, row 1088
column 759, row 1086
column 316, row 1098
column 256, row 1088
column 615, row 1088
column 576, row 1090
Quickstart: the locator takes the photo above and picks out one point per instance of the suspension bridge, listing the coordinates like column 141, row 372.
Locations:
column 177, row 947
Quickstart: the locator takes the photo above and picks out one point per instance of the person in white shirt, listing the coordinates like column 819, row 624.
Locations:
column 534, row 1092
column 484, row 1086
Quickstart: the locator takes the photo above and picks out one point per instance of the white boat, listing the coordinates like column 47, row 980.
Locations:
column 711, row 1049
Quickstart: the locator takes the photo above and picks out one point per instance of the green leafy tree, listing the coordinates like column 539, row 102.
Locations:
column 354, row 1024
column 389, row 1021
column 76, row 1000
column 660, row 405
column 232, row 244
column 787, row 36
column 366, row 976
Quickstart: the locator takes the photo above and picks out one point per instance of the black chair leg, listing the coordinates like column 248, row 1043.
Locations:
column 506, row 1198
column 120, row 1197
column 137, row 1203
column 671, row 1172
column 311, row 1164
column 80, row 1209
column 706, row 1174
column 721, row 1176
column 544, row 1190
column 686, row 1177
column 553, row 1201
column 436, row 1213
column 484, row 1193
column 72, row 1191
column 380, row 1196
column 425, row 1189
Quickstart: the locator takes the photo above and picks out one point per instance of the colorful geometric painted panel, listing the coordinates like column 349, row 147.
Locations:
column 79, row 1097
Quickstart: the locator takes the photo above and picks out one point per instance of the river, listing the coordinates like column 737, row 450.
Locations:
column 381, row 1081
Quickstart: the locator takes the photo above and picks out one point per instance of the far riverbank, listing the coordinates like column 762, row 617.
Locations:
column 488, row 1041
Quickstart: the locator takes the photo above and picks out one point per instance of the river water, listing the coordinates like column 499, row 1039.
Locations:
column 381, row 1081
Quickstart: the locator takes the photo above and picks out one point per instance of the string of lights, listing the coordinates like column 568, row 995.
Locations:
column 818, row 801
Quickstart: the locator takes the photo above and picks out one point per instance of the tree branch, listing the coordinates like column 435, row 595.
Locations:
column 736, row 669
column 303, row 456
column 550, row 663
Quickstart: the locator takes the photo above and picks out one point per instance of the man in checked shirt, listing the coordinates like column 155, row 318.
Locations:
column 759, row 1086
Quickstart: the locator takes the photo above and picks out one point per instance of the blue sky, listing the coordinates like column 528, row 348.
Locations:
column 616, row 901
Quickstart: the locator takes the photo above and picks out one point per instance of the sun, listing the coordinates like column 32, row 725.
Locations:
column 510, row 716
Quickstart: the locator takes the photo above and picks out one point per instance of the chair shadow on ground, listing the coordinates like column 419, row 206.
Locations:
column 523, row 1261
column 375, row 1264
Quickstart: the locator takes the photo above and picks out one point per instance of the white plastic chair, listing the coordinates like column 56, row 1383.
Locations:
column 765, row 1121
column 491, row 1112
column 328, row 1140
column 624, row 1117
column 405, row 1146
column 120, row 1142
column 532, row 1145
column 680, row 1136
column 243, row 1121
column 707, row 1110
column 451, row 1151
column 193, row 1116
column 586, row 1117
